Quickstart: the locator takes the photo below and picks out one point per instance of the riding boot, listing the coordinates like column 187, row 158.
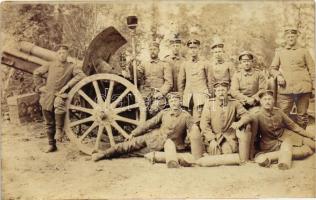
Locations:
column 60, row 118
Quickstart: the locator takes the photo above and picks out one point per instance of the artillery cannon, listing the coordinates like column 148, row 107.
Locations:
column 103, row 108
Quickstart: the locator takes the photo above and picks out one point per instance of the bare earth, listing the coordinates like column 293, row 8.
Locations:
column 29, row 173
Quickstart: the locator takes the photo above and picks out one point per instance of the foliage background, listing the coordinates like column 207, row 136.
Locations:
column 244, row 25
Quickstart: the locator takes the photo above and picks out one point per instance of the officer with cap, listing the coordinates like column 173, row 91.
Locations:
column 276, row 127
column 62, row 76
column 293, row 67
column 219, row 68
column 219, row 121
column 192, row 80
column 248, row 82
column 174, row 123
column 175, row 59
column 155, row 79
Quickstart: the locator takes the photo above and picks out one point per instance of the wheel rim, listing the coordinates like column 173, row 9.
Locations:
column 105, row 114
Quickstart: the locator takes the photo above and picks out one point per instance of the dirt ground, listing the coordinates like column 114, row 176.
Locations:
column 29, row 173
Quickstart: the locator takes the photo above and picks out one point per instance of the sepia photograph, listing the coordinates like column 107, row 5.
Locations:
column 157, row 99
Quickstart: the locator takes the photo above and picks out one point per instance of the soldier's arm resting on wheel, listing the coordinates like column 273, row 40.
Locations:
column 78, row 75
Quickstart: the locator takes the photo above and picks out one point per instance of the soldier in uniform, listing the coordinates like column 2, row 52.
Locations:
column 219, row 121
column 247, row 83
column 175, row 60
column 192, row 81
column 174, row 123
column 155, row 80
column 62, row 75
column 294, row 69
column 219, row 69
column 275, row 127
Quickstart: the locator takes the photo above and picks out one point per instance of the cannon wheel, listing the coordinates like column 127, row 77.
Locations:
column 100, row 116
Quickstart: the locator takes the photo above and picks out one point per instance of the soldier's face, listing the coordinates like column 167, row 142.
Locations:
column 267, row 102
column 193, row 51
column 246, row 64
column 291, row 39
column 174, row 103
column 218, row 53
column 221, row 92
column 176, row 48
column 62, row 55
column 154, row 51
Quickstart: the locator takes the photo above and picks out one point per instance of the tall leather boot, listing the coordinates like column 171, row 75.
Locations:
column 60, row 134
column 51, row 142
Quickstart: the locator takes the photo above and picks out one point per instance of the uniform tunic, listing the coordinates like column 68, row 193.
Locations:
column 175, row 64
column 155, row 74
column 173, row 125
column 297, row 67
column 216, row 119
column 247, row 84
column 59, row 74
column 274, row 127
column 220, row 72
column 192, row 82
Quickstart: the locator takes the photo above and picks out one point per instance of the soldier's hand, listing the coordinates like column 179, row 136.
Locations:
column 235, row 125
column 281, row 81
column 213, row 148
column 251, row 101
column 158, row 95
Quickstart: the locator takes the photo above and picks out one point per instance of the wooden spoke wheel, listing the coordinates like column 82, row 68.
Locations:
column 102, row 110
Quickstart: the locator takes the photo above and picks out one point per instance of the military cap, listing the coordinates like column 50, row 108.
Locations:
column 217, row 42
column 266, row 92
column 221, row 83
column 246, row 53
column 193, row 43
column 63, row 46
column 175, row 39
column 172, row 95
column 290, row 29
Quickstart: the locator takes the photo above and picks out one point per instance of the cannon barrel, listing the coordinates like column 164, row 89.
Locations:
column 37, row 51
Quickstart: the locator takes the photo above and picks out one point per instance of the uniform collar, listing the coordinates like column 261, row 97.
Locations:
column 247, row 73
column 222, row 103
column 267, row 112
column 288, row 47
column 195, row 59
column 218, row 63
column 175, row 112
column 154, row 61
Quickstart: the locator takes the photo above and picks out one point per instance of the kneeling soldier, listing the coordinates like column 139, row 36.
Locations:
column 174, row 123
column 277, row 129
column 219, row 121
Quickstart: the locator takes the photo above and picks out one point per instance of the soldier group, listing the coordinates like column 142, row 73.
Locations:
column 233, row 109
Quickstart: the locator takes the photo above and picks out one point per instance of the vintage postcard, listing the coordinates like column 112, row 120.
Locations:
column 157, row 99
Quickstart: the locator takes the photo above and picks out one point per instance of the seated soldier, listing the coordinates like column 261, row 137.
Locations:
column 248, row 82
column 275, row 127
column 174, row 123
column 219, row 121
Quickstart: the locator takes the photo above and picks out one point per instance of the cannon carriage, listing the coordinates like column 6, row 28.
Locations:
column 103, row 108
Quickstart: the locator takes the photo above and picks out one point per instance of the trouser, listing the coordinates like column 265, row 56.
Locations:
column 286, row 102
column 153, row 141
column 53, row 121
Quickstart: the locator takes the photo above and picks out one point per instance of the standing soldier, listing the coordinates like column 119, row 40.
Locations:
column 174, row 125
column 294, row 69
column 175, row 60
column 247, row 83
column 192, row 81
column 219, row 121
column 62, row 75
column 156, row 80
column 219, row 69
